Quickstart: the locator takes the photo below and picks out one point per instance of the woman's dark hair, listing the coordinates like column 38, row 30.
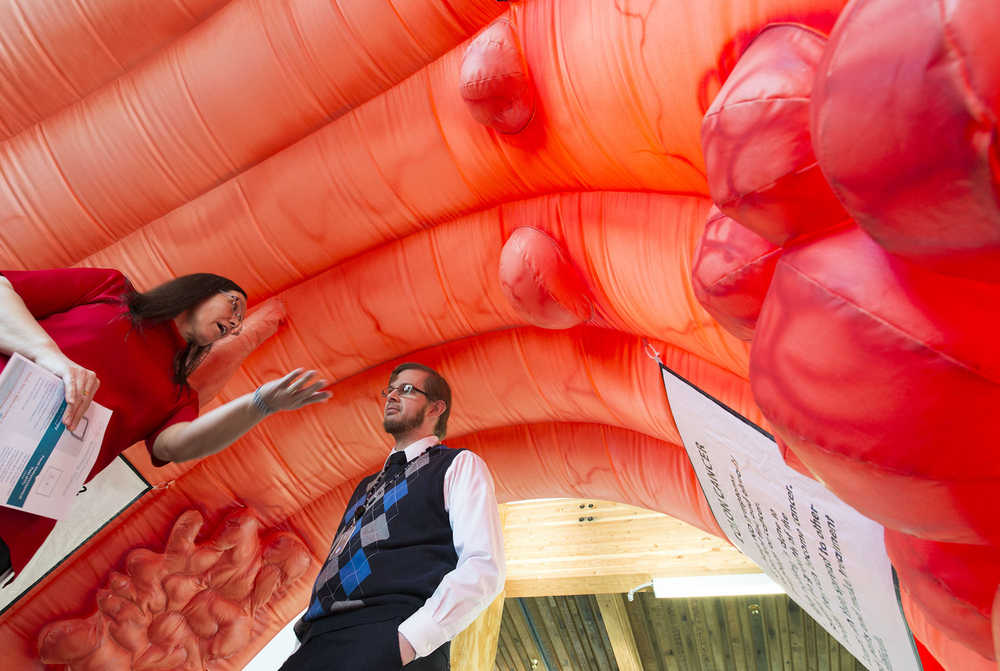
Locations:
column 437, row 390
column 170, row 299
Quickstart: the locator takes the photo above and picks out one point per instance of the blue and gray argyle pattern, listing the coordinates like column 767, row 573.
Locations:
column 340, row 584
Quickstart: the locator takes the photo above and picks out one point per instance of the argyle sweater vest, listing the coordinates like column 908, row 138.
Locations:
column 391, row 550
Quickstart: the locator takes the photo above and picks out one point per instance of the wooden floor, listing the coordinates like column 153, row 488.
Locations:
column 765, row 633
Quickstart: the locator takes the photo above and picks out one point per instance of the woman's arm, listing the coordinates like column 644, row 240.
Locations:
column 218, row 429
column 21, row 333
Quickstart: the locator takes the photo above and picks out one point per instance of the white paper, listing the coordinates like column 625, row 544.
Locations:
column 42, row 464
column 830, row 559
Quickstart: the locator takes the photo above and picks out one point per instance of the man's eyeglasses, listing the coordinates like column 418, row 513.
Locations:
column 405, row 389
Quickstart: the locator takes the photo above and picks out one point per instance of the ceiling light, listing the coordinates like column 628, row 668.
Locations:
column 736, row 584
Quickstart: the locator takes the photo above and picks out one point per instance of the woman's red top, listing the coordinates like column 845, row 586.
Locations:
column 82, row 310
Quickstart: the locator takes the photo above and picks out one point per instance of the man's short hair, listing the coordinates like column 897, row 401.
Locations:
column 437, row 390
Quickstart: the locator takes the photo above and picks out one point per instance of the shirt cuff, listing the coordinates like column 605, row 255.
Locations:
column 423, row 633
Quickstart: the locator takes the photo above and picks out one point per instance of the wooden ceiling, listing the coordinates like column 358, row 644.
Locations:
column 570, row 546
column 569, row 563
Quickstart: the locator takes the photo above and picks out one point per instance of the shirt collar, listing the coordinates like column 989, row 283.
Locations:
column 416, row 448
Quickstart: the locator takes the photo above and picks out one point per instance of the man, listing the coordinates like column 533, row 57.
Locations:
column 419, row 551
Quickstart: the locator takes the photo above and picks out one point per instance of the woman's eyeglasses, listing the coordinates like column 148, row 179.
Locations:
column 405, row 389
column 238, row 314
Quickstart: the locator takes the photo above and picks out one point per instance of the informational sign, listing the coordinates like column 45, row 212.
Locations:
column 830, row 559
column 43, row 463
column 96, row 504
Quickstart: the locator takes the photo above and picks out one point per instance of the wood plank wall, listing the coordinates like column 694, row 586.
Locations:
column 763, row 633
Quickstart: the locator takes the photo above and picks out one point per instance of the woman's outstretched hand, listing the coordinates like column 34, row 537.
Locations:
column 222, row 426
column 294, row 391
column 80, row 384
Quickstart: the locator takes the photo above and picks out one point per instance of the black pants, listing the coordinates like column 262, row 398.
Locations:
column 365, row 647
column 4, row 558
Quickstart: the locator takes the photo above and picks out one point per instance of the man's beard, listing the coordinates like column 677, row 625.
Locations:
column 397, row 425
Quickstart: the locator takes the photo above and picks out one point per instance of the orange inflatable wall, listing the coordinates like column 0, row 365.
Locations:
column 516, row 193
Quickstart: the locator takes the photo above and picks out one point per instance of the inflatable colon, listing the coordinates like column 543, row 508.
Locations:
column 872, row 351
column 519, row 194
column 182, row 609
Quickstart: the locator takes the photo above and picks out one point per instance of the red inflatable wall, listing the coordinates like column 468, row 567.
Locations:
column 795, row 201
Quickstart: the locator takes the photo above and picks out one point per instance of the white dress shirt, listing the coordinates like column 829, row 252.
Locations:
column 477, row 579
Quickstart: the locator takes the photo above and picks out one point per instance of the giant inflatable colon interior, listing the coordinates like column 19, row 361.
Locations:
column 794, row 201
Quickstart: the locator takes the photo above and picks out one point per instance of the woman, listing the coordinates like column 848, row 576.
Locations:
column 131, row 352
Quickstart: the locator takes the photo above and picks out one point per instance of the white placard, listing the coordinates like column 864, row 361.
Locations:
column 102, row 499
column 830, row 559
column 42, row 463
